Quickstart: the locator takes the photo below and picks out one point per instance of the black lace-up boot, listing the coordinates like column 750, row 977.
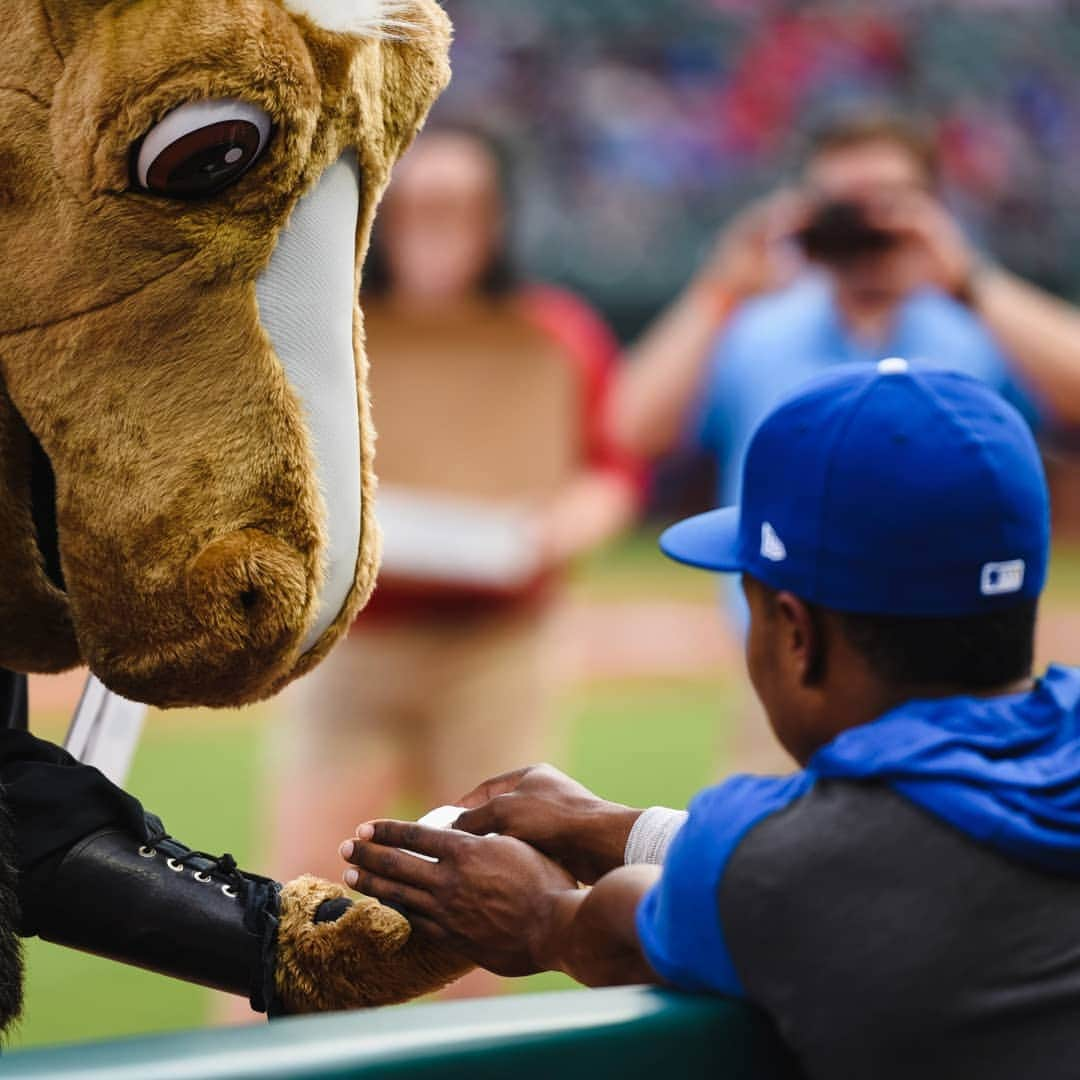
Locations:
column 157, row 904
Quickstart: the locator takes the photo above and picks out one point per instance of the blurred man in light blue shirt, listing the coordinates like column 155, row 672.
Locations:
column 860, row 263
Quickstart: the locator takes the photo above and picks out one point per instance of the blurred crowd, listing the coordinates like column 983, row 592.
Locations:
column 642, row 123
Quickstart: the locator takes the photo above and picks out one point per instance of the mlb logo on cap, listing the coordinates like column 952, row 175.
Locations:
column 886, row 489
column 1001, row 579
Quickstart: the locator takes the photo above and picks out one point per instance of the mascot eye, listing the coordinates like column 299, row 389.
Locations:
column 201, row 148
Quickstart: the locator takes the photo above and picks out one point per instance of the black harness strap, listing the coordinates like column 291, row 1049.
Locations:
column 14, row 707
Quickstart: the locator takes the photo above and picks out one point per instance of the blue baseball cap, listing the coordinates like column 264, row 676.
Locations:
column 886, row 490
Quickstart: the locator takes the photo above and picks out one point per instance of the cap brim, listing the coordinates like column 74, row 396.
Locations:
column 709, row 541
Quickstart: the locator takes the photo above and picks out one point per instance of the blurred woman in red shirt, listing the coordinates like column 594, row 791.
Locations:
column 495, row 472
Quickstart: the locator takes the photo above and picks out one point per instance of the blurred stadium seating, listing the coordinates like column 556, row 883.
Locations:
column 641, row 124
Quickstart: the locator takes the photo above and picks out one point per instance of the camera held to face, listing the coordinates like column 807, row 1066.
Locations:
column 839, row 232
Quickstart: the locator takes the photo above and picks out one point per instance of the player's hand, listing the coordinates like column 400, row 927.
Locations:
column 583, row 833
column 493, row 900
column 750, row 256
column 921, row 222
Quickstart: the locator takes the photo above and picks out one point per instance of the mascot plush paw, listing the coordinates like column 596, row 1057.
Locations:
column 187, row 189
column 334, row 953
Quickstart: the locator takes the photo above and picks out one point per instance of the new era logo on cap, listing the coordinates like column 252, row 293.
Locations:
column 772, row 547
column 1003, row 578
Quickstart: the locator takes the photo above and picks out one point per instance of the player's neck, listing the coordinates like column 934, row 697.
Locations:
column 855, row 700
column 889, row 697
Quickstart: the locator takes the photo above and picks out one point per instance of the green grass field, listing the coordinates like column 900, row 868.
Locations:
column 202, row 778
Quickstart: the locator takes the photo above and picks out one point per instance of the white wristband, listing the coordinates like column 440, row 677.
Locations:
column 652, row 835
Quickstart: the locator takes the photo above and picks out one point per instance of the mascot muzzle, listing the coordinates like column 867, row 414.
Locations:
column 186, row 196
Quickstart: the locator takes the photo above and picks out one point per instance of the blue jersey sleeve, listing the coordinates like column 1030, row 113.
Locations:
column 678, row 922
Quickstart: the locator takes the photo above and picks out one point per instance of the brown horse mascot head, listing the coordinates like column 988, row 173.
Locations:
column 187, row 189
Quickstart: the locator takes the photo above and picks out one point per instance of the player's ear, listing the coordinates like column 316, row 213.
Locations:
column 801, row 636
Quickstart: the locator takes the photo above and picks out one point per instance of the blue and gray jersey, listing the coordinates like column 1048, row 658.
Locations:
column 907, row 906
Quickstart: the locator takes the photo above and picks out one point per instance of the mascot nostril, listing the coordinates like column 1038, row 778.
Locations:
column 196, row 523
column 249, row 571
column 249, row 592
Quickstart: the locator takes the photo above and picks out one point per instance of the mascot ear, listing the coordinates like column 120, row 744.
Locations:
column 415, row 71
column 400, row 73
column 410, row 72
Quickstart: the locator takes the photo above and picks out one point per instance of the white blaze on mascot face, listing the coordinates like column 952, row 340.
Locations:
column 307, row 308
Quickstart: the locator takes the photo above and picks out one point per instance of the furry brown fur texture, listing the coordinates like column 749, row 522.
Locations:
column 191, row 527
column 371, row 956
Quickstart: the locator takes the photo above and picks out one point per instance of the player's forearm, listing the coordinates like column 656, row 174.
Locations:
column 592, row 934
column 662, row 378
column 1040, row 332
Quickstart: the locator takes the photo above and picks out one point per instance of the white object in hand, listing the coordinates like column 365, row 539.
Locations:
column 442, row 818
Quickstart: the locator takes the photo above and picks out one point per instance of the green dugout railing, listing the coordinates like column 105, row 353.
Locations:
column 595, row 1034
